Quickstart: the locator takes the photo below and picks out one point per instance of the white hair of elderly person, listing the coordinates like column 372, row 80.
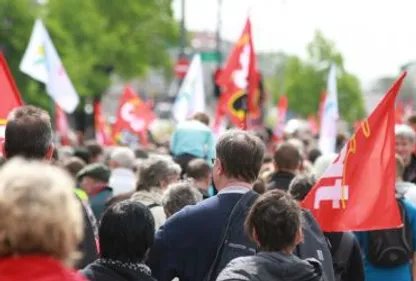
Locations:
column 155, row 175
column 41, row 222
column 322, row 163
column 123, row 179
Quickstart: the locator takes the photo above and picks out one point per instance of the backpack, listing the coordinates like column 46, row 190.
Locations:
column 342, row 255
column 391, row 247
column 234, row 242
column 315, row 245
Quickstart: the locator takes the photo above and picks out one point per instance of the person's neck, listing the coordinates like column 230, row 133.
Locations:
column 201, row 185
column 233, row 182
column 287, row 171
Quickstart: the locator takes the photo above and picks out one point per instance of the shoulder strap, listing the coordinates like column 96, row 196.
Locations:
column 151, row 206
column 247, row 199
column 344, row 249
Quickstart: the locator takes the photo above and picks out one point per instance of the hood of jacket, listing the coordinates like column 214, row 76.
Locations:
column 36, row 268
column 403, row 187
column 116, row 271
column 272, row 266
column 147, row 197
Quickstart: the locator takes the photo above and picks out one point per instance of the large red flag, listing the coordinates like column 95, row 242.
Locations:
column 62, row 126
column 133, row 117
column 357, row 192
column 399, row 113
column 10, row 97
column 240, row 77
column 102, row 130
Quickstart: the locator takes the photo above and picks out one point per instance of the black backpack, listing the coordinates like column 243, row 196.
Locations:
column 391, row 247
column 341, row 255
column 234, row 242
column 315, row 245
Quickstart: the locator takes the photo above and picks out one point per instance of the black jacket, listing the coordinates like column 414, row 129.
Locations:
column 354, row 270
column 410, row 171
column 88, row 247
column 272, row 266
column 280, row 180
column 98, row 271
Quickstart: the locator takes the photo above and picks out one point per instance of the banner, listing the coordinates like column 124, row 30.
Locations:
column 102, row 130
column 42, row 62
column 357, row 192
column 133, row 118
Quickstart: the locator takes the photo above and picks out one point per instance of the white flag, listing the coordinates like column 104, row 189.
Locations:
column 328, row 130
column 191, row 95
column 41, row 62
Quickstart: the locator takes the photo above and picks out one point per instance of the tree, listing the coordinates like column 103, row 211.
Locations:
column 304, row 80
column 93, row 38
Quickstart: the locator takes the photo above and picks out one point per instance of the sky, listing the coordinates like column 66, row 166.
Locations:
column 375, row 37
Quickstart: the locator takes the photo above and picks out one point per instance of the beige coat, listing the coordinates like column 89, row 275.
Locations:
column 154, row 196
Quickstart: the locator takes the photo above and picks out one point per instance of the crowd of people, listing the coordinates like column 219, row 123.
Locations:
column 200, row 209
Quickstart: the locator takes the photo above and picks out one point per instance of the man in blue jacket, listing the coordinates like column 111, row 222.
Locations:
column 193, row 139
column 186, row 246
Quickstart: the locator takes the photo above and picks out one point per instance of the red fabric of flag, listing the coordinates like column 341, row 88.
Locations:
column 357, row 192
column 102, row 130
column 133, row 115
column 62, row 126
column 10, row 96
column 239, row 80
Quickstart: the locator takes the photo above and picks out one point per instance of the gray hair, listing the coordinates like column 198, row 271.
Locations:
column 154, row 170
column 179, row 195
column 405, row 131
column 123, row 156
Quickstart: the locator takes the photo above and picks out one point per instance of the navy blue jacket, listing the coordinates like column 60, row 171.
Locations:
column 185, row 246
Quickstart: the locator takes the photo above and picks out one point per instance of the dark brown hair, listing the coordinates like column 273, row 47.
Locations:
column 287, row 156
column 241, row 155
column 275, row 218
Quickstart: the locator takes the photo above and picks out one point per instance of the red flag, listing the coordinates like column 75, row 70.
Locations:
column 62, row 126
column 399, row 113
column 102, row 130
column 239, row 77
column 133, row 117
column 313, row 124
column 10, row 97
column 282, row 106
column 357, row 192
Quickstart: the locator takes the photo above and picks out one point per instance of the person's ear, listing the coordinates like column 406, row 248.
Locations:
column 255, row 237
column 49, row 152
column 299, row 236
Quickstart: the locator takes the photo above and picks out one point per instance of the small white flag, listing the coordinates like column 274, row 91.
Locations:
column 328, row 130
column 191, row 95
column 41, row 62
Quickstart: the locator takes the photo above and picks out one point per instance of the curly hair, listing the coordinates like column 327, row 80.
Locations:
column 39, row 213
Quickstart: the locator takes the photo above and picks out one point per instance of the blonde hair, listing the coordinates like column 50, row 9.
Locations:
column 39, row 214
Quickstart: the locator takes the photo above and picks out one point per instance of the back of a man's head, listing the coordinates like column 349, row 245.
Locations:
column 201, row 117
column 198, row 169
column 28, row 133
column 178, row 196
column 287, row 157
column 122, row 157
column 241, row 155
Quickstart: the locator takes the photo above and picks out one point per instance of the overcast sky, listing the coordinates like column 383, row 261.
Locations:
column 375, row 36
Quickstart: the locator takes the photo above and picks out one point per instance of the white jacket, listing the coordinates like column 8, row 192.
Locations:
column 406, row 190
column 122, row 180
column 154, row 196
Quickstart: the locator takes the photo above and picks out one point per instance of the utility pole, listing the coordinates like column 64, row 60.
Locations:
column 218, row 34
column 182, row 31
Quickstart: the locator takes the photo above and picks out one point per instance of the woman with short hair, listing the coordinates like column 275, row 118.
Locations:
column 40, row 223
column 126, row 233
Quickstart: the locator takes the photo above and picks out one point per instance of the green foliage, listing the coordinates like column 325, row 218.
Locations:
column 91, row 36
column 305, row 80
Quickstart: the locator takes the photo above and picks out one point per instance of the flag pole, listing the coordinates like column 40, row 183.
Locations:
column 244, row 125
